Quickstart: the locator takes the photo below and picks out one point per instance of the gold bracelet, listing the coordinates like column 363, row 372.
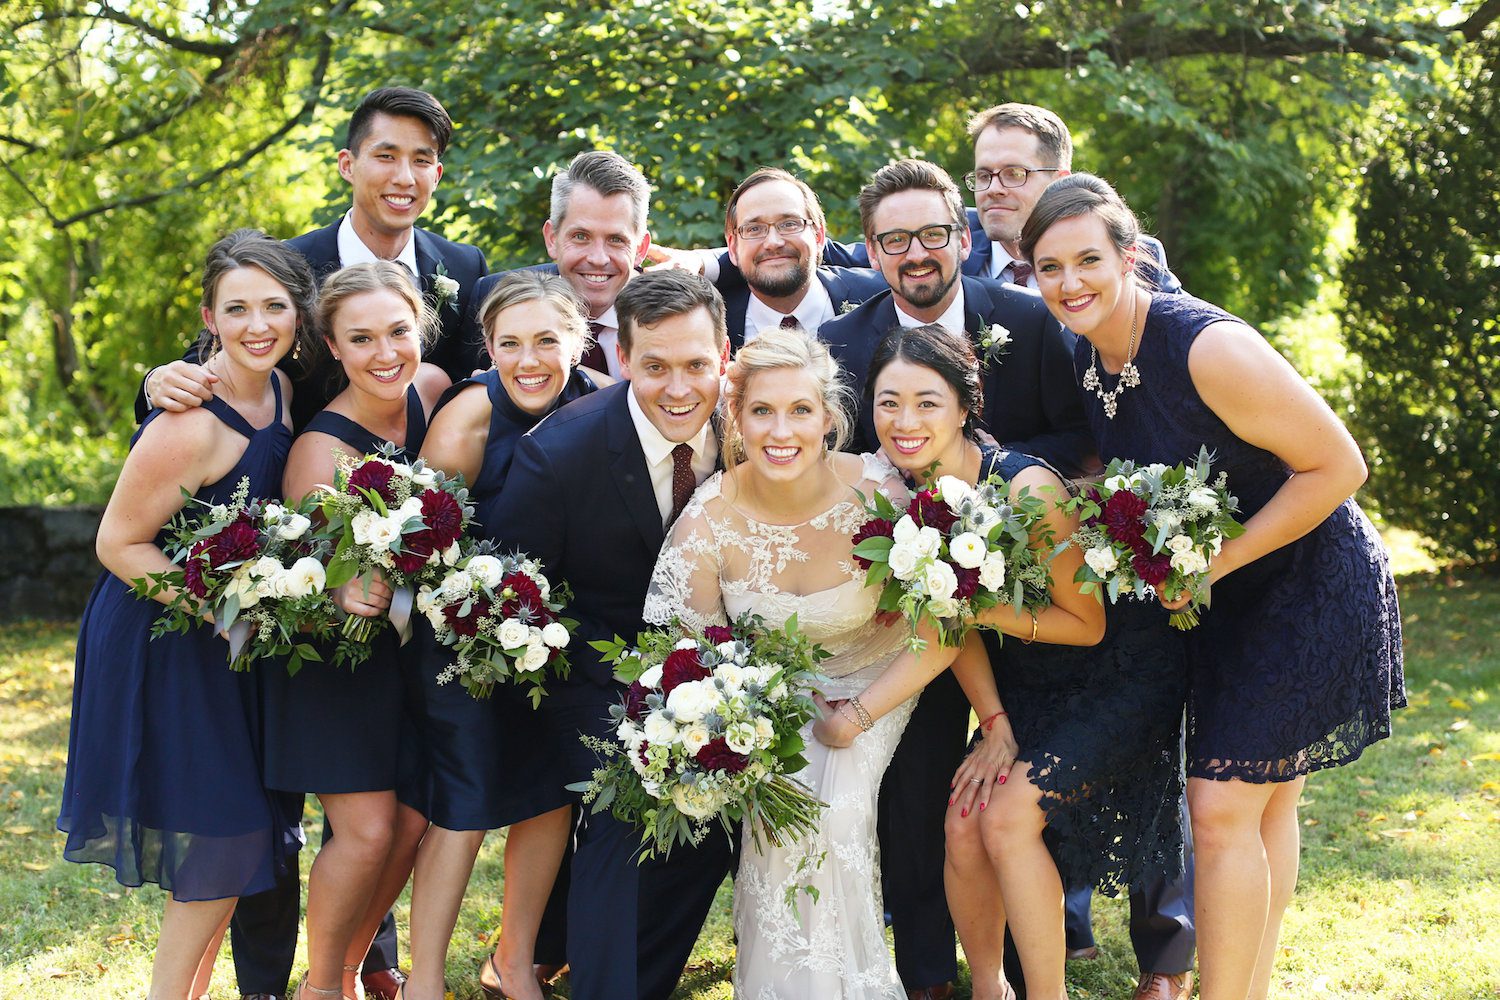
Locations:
column 845, row 715
column 865, row 721
column 1028, row 642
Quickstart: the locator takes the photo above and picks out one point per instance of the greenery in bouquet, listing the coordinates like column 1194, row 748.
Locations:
column 258, row 569
column 709, row 730
column 1154, row 530
column 955, row 551
column 502, row 618
column 401, row 521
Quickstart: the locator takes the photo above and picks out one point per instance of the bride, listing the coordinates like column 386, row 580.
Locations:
column 772, row 535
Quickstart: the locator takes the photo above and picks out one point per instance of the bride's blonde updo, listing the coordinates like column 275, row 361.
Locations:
column 775, row 349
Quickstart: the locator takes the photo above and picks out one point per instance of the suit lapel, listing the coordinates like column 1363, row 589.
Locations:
column 833, row 284
column 977, row 306
column 628, row 467
column 427, row 260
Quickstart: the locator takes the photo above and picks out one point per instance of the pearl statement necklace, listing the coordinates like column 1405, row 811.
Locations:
column 1130, row 375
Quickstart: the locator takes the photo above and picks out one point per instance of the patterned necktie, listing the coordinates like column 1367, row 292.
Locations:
column 789, row 323
column 1020, row 273
column 594, row 357
column 683, row 480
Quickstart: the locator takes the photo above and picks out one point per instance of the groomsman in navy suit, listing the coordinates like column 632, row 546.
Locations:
column 913, row 219
column 770, row 275
column 592, row 493
column 392, row 159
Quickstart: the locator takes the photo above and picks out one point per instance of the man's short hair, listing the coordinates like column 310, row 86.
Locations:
column 399, row 102
column 1053, row 140
column 656, row 295
column 810, row 204
column 907, row 175
column 607, row 173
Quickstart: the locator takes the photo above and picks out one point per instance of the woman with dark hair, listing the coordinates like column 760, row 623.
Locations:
column 329, row 729
column 163, row 782
column 489, row 759
column 1088, row 748
column 1297, row 665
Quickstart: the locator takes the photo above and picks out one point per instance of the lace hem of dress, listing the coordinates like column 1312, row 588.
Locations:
column 1343, row 745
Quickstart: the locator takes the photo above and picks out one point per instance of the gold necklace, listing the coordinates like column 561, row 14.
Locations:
column 1130, row 375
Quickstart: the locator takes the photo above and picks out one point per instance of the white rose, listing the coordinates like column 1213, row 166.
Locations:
column 695, row 738
column 244, row 587
column 685, row 643
column 512, row 634
column 555, row 634
column 1189, row 562
column 944, row 607
column 424, row 478
column 967, row 549
column 651, row 676
column 929, row 541
column 218, row 512
column 941, row 580
column 294, row 527
column 445, row 287
column 412, row 508
column 1117, row 482
column 740, row 737
column 305, row 578
column 733, row 676
column 399, row 468
column 902, row 560
column 273, row 513
column 992, row 572
column 267, row 574
column 486, row 569
column 1204, row 500
column 1216, row 544
column 905, row 530
column 630, row 734
column 1157, row 468
column 953, row 490
column 426, row 598
column 1168, row 520
column 984, row 517
column 1179, row 543
column 659, row 732
column 451, row 555
column 764, row 732
column 364, row 526
column 435, row 619
column 535, row 658
column 692, row 802
column 1101, row 560
column 380, row 532
column 691, row 701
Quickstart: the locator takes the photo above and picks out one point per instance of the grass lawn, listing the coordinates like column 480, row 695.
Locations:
column 1399, row 895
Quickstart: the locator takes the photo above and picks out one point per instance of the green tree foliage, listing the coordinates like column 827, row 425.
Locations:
column 1423, row 288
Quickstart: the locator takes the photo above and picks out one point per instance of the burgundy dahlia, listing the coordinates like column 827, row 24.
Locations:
column 375, row 477
column 524, row 590
column 932, row 513
column 875, row 527
column 681, row 666
column 1152, row 569
column 443, row 516
column 192, row 573
column 716, row 756
column 466, row 625
column 237, row 542
column 968, row 582
column 719, row 633
column 635, row 701
column 1125, row 516
column 417, row 547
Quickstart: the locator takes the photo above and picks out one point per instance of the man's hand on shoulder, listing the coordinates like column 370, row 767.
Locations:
column 670, row 257
column 179, row 385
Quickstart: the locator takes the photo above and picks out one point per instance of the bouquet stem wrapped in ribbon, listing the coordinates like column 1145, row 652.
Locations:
column 710, row 729
column 1154, row 530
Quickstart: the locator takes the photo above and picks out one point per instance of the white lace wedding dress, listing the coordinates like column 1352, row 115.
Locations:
column 719, row 564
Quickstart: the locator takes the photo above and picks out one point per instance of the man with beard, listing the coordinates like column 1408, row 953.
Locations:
column 916, row 233
column 775, row 230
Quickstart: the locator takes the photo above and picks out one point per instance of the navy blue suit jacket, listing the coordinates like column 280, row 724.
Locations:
column 579, row 500
column 459, row 348
column 843, row 284
column 1031, row 401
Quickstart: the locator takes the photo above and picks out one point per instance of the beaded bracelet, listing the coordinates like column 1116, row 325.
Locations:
column 866, row 721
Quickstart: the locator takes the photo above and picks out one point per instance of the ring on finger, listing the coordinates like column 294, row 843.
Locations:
column 976, row 781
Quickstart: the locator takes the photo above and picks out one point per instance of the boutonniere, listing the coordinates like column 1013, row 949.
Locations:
column 993, row 341
column 445, row 288
column 848, row 307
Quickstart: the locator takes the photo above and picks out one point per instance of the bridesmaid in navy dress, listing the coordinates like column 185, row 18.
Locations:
column 336, row 732
column 1297, row 666
column 486, row 766
column 163, row 781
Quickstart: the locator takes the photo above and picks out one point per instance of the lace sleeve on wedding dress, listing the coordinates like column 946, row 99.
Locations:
column 685, row 584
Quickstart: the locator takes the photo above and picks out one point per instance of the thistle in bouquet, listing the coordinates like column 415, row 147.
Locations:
column 709, row 729
column 502, row 618
column 1154, row 530
column 399, row 520
column 256, row 569
column 955, row 551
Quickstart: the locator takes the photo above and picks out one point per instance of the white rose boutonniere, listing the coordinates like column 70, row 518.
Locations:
column 848, row 307
column 992, row 343
column 445, row 288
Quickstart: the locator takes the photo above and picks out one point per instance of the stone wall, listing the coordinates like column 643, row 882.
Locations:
column 47, row 562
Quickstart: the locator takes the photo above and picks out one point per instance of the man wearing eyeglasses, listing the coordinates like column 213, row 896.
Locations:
column 775, row 230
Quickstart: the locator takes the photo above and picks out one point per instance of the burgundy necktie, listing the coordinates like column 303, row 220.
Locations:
column 594, row 357
column 789, row 323
column 683, row 480
column 1020, row 273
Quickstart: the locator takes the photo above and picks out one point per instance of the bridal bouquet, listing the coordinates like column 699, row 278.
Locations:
column 258, row 568
column 502, row 618
column 955, row 551
column 710, row 728
column 1154, row 530
column 400, row 520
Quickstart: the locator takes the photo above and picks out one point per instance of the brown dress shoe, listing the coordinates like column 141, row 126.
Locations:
column 548, row 975
column 383, row 985
column 942, row 991
column 1083, row 954
column 1164, row 986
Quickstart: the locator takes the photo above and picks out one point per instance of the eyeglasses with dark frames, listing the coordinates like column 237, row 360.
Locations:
column 933, row 237
column 1011, row 177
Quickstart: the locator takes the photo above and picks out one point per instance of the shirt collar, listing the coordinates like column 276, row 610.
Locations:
column 1000, row 259
column 952, row 317
column 657, row 448
column 608, row 319
column 815, row 309
column 352, row 249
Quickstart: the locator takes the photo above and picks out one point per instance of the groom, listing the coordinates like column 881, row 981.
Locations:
column 592, row 494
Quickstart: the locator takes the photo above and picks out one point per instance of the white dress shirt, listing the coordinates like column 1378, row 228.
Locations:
column 658, row 452
column 1000, row 262
column 608, row 338
column 352, row 249
column 952, row 317
column 815, row 309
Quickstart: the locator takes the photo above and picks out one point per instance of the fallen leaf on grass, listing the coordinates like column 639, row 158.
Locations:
column 119, row 938
column 20, row 831
column 1458, row 704
column 35, row 866
column 1486, row 756
column 1404, row 831
column 1311, row 821
column 1458, row 724
column 60, row 973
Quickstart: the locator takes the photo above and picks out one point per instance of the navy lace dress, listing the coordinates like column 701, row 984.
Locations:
column 1102, row 729
column 164, row 780
column 334, row 730
column 486, row 759
column 1297, row 665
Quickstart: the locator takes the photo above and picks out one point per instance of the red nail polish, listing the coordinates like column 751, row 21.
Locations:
column 951, row 801
column 981, row 807
column 966, row 812
column 1002, row 779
